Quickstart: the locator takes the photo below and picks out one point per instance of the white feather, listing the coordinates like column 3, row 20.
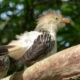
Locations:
column 24, row 42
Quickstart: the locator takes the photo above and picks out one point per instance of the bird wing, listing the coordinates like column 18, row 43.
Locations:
column 17, row 48
column 41, row 46
column 37, row 44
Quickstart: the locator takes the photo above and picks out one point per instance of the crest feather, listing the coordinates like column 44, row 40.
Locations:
column 48, row 16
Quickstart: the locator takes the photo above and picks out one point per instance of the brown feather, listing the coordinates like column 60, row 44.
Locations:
column 42, row 45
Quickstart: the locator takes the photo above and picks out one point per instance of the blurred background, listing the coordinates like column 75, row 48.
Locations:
column 18, row 16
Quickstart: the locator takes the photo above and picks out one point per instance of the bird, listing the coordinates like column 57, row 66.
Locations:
column 4, row 62
column 38, row 44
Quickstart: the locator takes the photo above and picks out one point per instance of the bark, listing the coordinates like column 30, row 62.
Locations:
column 64, row 65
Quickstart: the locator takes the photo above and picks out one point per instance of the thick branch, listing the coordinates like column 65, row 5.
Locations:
column 63, row 65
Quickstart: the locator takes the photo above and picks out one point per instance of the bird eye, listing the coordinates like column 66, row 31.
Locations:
column 56, row 18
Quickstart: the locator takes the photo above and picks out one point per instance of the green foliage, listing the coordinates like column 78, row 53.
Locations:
column 17, row 16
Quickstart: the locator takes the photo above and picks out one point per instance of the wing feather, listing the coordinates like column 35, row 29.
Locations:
column 41, row 46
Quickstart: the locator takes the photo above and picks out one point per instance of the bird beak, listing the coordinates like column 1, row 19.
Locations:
column 65, row 20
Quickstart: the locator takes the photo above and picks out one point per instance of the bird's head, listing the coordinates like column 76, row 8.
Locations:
column 52, row 21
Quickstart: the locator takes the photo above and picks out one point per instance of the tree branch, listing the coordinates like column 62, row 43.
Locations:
column 64, row 65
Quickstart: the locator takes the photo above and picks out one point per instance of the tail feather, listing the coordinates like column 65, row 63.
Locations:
column 4, row 49
column 13, row 51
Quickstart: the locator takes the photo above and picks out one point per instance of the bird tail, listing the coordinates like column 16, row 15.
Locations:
column 5, row 49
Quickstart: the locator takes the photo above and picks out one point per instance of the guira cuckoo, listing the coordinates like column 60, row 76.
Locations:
column 4, row 62
column 38, row 44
